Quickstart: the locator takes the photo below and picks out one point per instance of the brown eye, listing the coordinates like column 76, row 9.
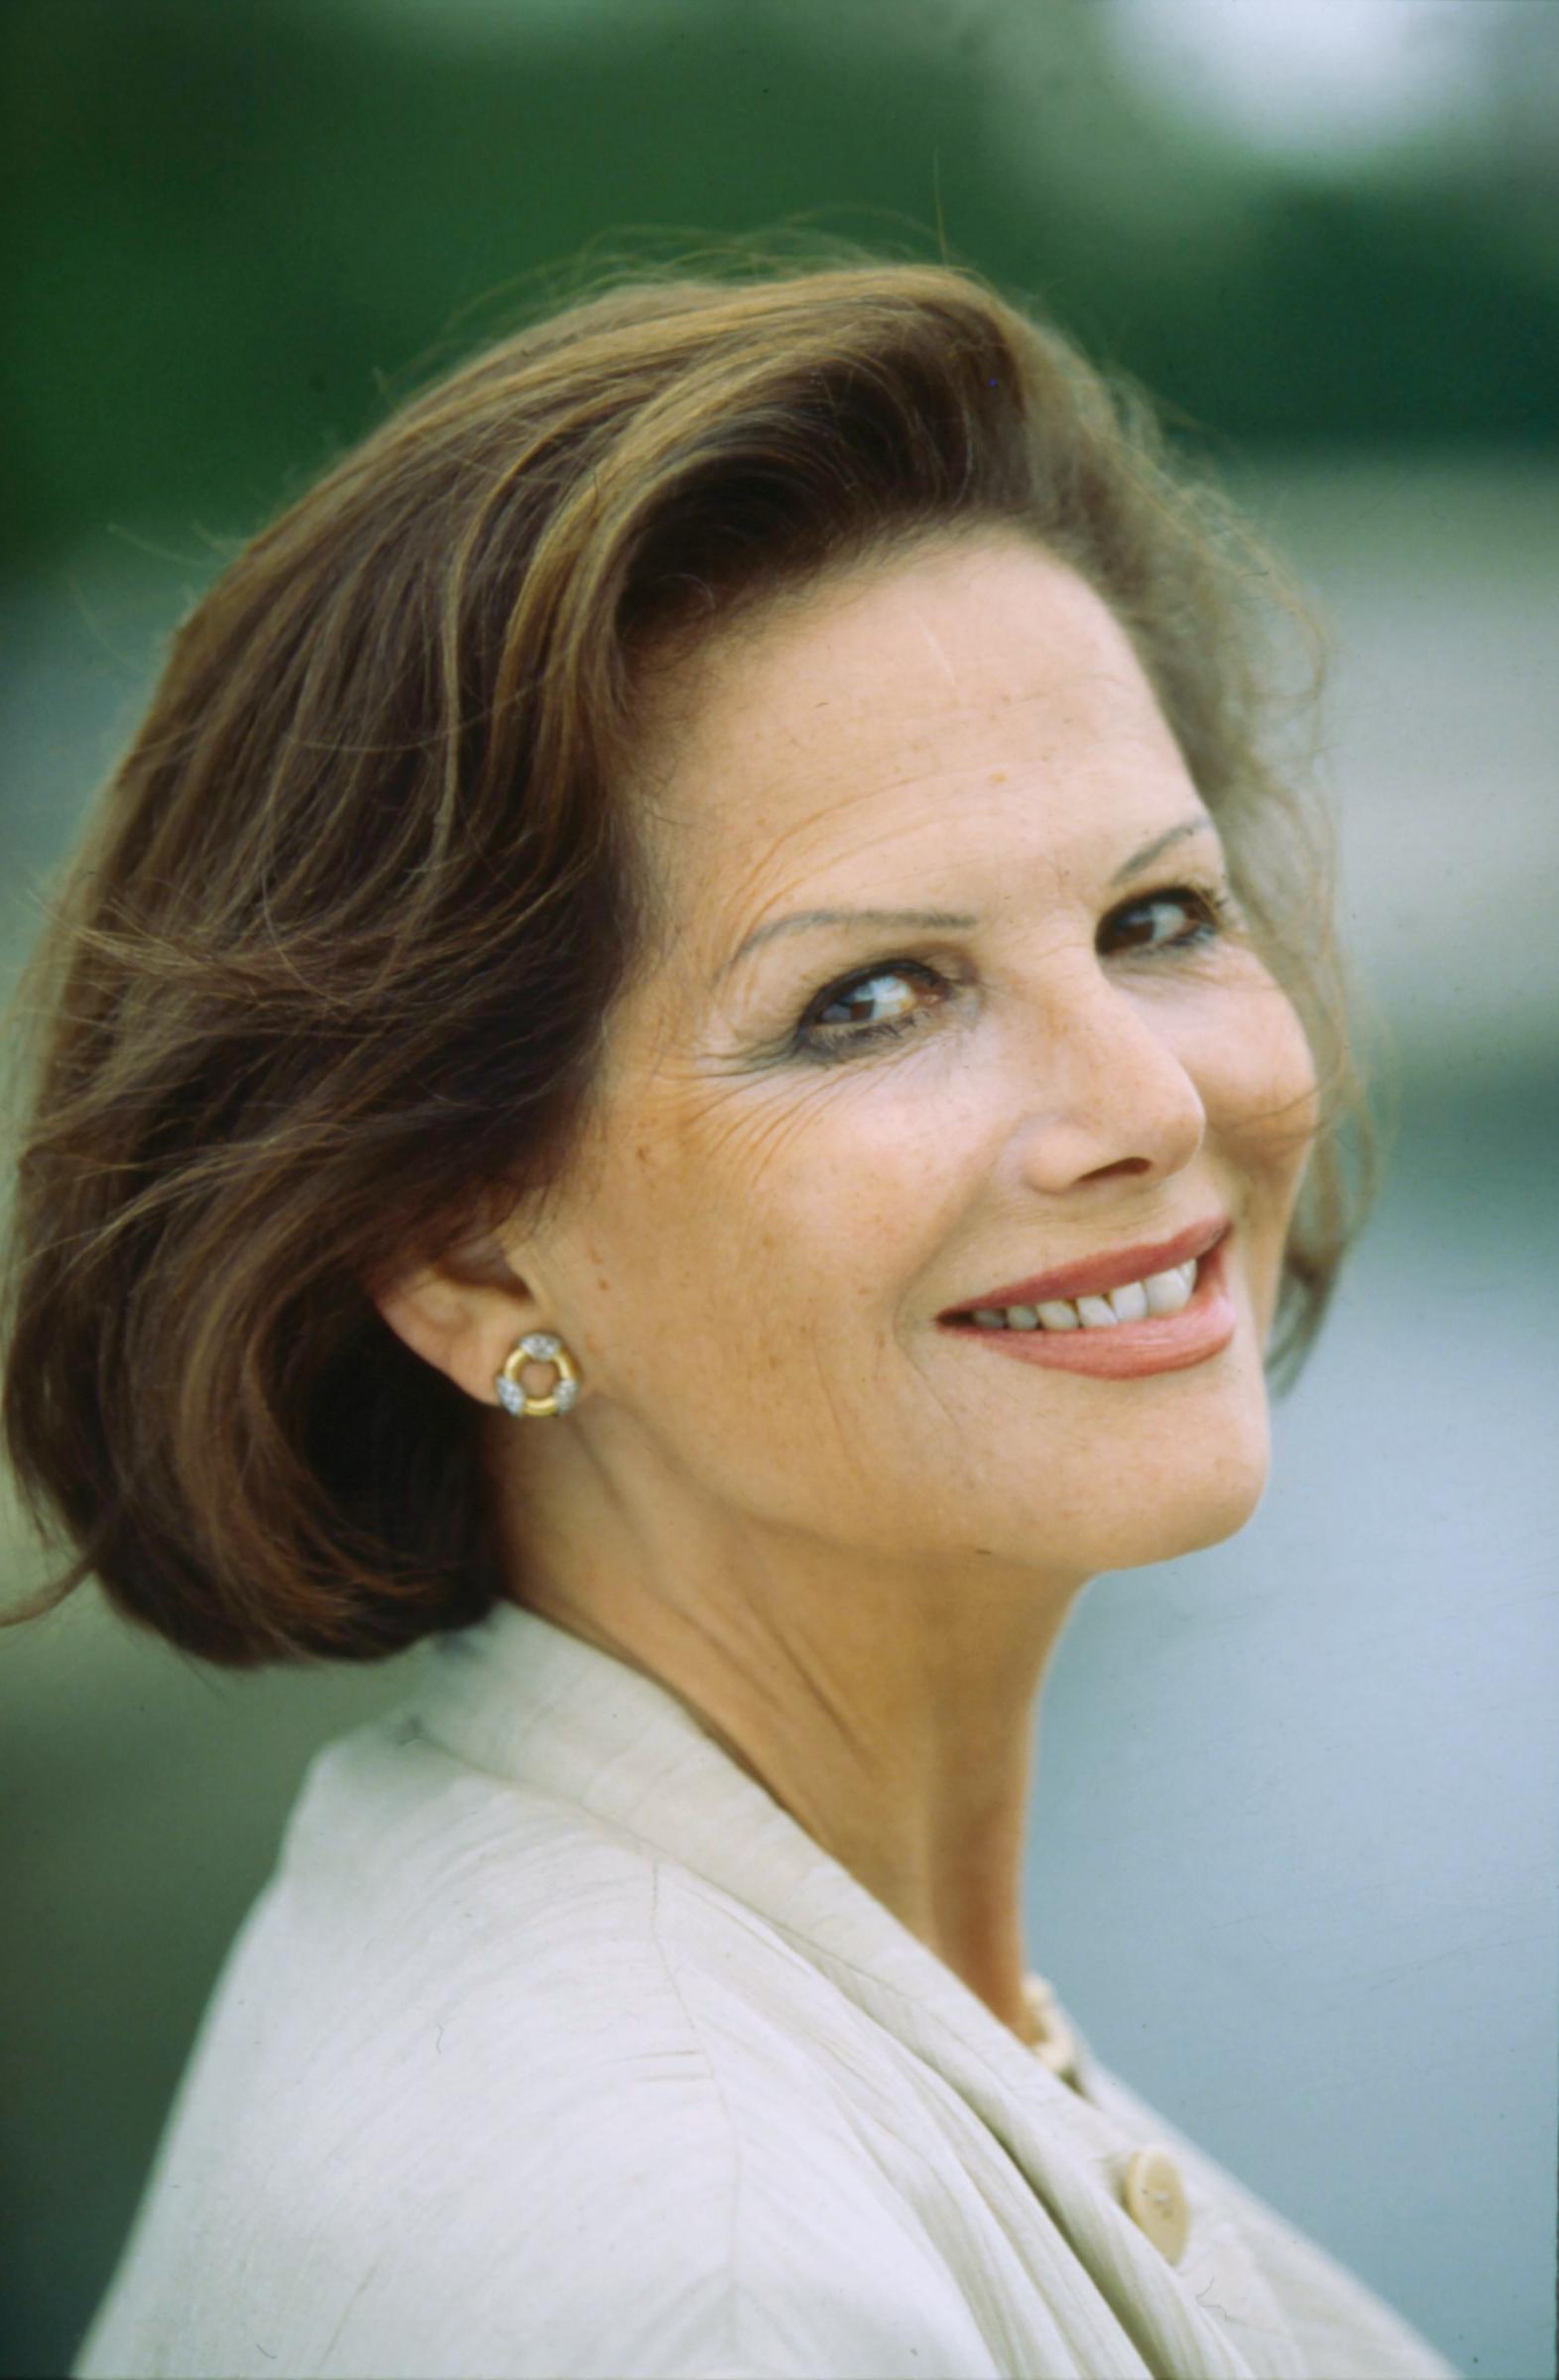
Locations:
column 866, row 994
column 877, row 1005
column 1182, row 917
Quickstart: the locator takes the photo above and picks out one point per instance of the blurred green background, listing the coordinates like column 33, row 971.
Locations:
column 1325, row 234
column 233, row 217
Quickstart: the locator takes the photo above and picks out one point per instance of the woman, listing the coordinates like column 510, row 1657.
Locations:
column 703, row 906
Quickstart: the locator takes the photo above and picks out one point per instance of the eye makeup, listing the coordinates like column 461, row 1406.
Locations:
column 814, row 1041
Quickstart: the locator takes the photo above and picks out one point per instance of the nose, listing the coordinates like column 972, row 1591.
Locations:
column 1111, row 1094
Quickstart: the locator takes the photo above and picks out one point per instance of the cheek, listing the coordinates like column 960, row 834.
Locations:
column 748, row 1260
column 774, row 1225
column 1258, row 1080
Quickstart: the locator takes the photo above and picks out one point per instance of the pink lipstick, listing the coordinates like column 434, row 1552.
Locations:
column 1202, row 1328
column 1091, row 1276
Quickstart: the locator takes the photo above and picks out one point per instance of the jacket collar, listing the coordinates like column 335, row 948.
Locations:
column 526, row 1700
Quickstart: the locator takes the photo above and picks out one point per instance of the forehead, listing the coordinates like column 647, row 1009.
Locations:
column 981, row 687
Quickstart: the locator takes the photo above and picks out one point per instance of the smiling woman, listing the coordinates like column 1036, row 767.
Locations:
column 716, row 885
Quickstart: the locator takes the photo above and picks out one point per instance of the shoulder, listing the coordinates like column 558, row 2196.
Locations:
column 484, row 2069
column 507, row 1973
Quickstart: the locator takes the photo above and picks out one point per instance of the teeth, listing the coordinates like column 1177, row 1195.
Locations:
column 1160, row 1293
column 1167, row 1292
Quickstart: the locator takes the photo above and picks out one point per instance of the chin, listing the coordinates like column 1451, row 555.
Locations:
column 1207, row 1524
column 1195, row 1506
column 1148, row 1518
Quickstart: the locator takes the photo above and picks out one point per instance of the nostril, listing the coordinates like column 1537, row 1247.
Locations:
column 1131, row 1166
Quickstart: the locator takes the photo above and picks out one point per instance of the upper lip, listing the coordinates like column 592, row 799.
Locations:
column 1089, row 1276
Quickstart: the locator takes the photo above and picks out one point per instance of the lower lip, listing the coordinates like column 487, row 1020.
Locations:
column 1158, row 1343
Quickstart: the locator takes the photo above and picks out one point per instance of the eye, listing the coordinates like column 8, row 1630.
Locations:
column 875, row 1004
column 1136, row 924
column 887, row 1002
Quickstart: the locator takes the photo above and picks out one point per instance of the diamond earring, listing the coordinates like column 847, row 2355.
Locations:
column 538, row 1346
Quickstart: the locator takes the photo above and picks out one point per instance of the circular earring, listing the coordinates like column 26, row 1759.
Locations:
column 538, row 1346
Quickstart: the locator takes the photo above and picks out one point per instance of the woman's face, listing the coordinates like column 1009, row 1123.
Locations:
column 815, row 1138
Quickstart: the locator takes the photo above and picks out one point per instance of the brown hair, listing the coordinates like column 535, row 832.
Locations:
column 328, row 971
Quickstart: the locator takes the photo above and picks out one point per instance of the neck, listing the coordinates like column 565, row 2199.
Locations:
column 888, row 1709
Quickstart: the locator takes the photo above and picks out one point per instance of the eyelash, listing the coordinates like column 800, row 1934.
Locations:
column 827, row 1044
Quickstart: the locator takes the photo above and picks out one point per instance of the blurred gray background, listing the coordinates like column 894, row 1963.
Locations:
column 1293, row 1849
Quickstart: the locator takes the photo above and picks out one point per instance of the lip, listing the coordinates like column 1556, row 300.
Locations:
column 1158, row 1343
column 1091, row 1276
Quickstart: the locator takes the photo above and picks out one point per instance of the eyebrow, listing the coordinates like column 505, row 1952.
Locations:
column 954, row 920
column 1200, row 824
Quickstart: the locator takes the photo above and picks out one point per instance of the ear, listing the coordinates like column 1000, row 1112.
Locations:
column 462, row 1314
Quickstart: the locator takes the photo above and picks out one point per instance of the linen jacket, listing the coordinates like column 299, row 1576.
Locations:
column 555, row 2046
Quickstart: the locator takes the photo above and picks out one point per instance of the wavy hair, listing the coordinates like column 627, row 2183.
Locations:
column 328, row 970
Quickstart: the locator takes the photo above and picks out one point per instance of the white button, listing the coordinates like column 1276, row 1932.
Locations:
column 1154, row 2196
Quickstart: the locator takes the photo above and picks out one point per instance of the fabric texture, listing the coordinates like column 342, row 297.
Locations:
column 555, row 2047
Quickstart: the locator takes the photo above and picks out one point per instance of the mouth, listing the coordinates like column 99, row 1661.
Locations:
column 1097, row 1277
column 1178, row 1314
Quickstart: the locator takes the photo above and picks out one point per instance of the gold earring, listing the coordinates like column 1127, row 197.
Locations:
column 538, row 1346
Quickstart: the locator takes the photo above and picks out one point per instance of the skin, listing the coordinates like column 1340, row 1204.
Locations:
column 847, row 1540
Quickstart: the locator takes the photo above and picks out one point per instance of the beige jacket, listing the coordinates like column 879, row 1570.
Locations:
column 555, row 2046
